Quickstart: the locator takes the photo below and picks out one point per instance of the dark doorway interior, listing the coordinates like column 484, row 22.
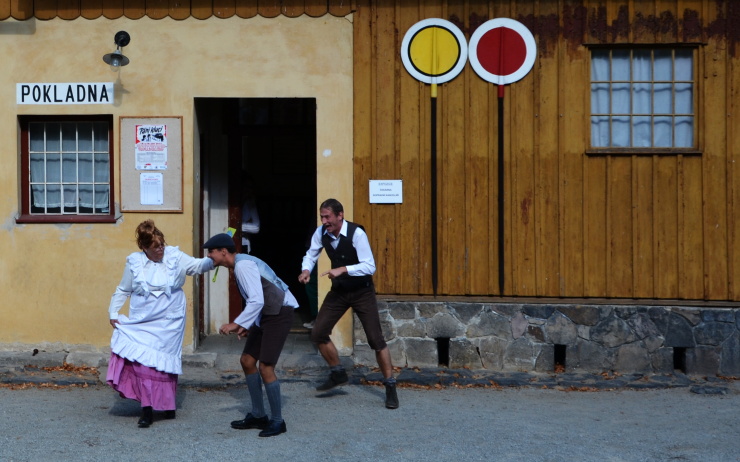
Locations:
column 271, row 142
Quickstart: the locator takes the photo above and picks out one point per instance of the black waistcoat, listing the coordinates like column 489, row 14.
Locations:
column 345, row 255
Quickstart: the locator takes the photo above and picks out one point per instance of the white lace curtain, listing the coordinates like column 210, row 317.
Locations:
column 642, row 98
column 70, row 166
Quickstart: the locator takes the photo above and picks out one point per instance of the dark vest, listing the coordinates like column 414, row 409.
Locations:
column 273, row 296
column 345, row 255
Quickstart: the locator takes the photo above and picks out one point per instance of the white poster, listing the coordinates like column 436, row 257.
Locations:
column 151, row 147
column 152, row 188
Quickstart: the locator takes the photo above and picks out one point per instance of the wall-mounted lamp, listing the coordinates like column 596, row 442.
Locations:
column 116, row 59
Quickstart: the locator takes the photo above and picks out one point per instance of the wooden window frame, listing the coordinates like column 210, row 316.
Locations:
column 695, row 150
column 26, row 216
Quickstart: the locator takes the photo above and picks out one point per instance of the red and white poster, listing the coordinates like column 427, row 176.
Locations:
column 151, row 147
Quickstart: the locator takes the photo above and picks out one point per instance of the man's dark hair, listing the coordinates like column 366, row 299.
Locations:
column 334, row 205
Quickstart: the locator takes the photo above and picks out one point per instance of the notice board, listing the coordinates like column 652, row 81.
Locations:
column 151, row 164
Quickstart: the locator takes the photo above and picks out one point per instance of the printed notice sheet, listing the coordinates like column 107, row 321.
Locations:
column 152, row 188
column 151, row 147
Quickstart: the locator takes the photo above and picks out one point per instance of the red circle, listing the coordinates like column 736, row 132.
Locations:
column 496, row 42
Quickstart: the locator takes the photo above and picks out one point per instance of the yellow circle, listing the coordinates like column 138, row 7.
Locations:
column 434, row 51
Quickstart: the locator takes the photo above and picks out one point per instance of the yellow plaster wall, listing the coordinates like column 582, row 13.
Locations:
column 57, row 279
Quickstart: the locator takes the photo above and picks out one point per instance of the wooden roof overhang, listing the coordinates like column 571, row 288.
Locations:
column 22, row 10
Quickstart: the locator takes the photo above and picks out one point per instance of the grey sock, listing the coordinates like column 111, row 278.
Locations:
column 254, row 385
column 273, row 396
column 389, row 381
column 338, row 368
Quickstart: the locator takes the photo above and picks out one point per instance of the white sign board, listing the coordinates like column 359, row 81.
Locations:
column 386, row 191
column 64, row 93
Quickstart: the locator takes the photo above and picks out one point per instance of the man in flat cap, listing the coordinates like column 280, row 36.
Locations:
column 265, row 321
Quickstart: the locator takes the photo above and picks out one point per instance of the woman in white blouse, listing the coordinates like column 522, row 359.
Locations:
column 146, row 347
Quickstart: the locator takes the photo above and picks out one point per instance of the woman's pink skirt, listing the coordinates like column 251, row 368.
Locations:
column 144, row 384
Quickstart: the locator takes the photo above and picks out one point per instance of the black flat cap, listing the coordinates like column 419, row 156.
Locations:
column 220, row 241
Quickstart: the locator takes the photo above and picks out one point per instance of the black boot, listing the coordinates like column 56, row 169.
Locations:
column 146, row 417
column 391, row 397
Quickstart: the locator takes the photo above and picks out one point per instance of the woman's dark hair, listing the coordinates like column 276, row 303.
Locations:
column 147, row 233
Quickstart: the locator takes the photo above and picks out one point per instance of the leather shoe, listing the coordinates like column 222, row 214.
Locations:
column 391, row 397
column 146, row 417
column 335, row 379
column 169, row 415
column 250, row 421
column 274, row 428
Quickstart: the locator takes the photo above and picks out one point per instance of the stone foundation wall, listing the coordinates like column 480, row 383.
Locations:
column 541, row 337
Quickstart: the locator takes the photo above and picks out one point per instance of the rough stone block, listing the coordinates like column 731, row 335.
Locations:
column 678, row 332
column 662, row 361
column 726, row 315
column 536, row 334
column 464, row 354
column 560, row 330
column 730, row 356
column 429, row 309
column 401, row 310
column 643, row 326
column 410, row 329
column 444, row 325
column 702, row 360
column 590, row 357
column 692, row 315
column 713, row 333
column 421, row 352
column 507, row 309
column 633, row 357
column 466, row 311
column 492, row 351
column 490, row 323
column 519, row 325
column 538, row 311
column 612, row 332
column 585, row 315
column 545, row 361
column 519, row 355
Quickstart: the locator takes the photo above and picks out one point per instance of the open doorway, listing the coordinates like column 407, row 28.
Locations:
column 270, row 145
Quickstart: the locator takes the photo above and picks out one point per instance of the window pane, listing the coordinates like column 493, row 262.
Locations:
column 621, row 65
column 684, row 64
column 37, row 168
column 663, row 64
column 86, row 168
column 642, row 96
column 53, row 168
column 663, row 132
column 642, row 66
column 69, row 168
column 600, row 66
column 86, row 197
column 84, row 137
column 684, row 132
column 36, row 137
column 600, row 98
column 663, row 99
column 621, row 132
column 102, row 198
column 101, row 136
column 600, row 131
column 53, row 196
column 70, row 198
column 684, row 98
column 53, row 132
column 102, row 168
column 621, row 98
column 642, row 132
column 69, row 137
column 38, row 195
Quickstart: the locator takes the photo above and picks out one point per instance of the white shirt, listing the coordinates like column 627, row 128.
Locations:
column 366, row 265
column 250, row 285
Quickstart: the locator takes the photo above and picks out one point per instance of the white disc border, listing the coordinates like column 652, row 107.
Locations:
column 444, row 24
column 529, row 42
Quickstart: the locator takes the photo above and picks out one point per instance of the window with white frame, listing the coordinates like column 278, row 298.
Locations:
column 643, row 98
column 66, row 168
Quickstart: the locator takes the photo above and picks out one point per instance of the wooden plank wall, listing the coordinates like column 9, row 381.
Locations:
column 576, row 225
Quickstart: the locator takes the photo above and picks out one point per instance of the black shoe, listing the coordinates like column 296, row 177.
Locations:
column 169, row 415
column 146, row 417
column 250, row 421
column 335, row 379
column 391, row 397
column 274, row 428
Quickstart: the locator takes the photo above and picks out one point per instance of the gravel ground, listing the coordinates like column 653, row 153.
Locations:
column 351, row 424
